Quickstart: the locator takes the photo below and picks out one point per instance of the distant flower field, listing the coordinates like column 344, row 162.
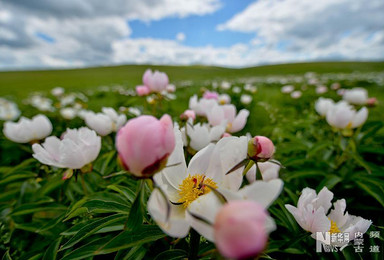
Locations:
column 266, row 166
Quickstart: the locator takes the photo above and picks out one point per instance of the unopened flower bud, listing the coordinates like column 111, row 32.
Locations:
column 144, row 144
column 240, row 229
column 260, row 148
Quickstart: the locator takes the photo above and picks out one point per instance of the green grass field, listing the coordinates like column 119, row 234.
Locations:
column 20, row 83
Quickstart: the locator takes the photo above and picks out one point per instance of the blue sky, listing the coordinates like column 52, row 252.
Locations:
column 229, row 33
column 199, row 30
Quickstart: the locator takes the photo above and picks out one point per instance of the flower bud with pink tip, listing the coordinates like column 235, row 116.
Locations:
column 142, row 90
column 260, row 148
column 144, row 144
column 188, row 114
column 240, row 229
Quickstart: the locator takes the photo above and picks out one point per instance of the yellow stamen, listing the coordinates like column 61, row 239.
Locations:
column 334, row 228
column 229, row 127
column 194, row 186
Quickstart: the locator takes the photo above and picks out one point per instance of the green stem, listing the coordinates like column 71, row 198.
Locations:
column 83, row 184
column 194, row 245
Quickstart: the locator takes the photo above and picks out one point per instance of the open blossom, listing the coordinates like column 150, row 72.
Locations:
column 201, row 135
column 188, row 188
column 76, row 149
column 145, row 143
column 224, row 99
column 287, row 89
column 155, row 81
column 41, row 103
column 296, row 94
column 311, row 214
column 68, row 113
column 58, row 91
column 8, row 110
column 240, row 229
column 245, row 99
column 356, row 96
column 201, row 107
column 321, row 89
column 344, row 116
column 227, row 114
column 106, row 122
column 142, row 90
column 269, row 171
column 27, row 130
column 322, row 105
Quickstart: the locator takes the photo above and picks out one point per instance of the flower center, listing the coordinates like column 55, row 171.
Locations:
column 194, row 186
column 334, row 228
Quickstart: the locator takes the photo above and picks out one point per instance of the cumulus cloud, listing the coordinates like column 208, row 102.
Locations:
column 71, row 33
column 317, row 29
column 82, row 32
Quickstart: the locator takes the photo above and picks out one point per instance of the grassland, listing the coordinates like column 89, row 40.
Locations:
column 20, row 83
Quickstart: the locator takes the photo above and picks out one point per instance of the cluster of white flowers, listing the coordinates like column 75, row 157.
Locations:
column 8, row 110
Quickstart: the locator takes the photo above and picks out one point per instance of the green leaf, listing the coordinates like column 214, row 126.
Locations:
column 172, row 254
column 137, row 211
column 127, row 239
column 92, row 228
column 98, row 206
column 7, row 256
column 373, row 189
column 137, row 252
column 17, row 177
column 329, row 181
column 86, row 250
column 37, row 207
column 51, row 252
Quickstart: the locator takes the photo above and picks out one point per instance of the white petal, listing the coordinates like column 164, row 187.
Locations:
column 176, row 225
column 263, row 192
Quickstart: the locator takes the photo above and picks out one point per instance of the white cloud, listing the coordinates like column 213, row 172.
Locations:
column 180, row 37
column 323, row 29
column 83, row 32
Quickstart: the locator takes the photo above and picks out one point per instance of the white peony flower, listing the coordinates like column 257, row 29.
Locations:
column 224, row 99
column 27, row 130
column 322, row 105
column 188, row 192
column 344, row 116
column 311, row 215
column 8, row 110
column 42, row 103
column 226, row 114
column 225, row 85
column 356, row 96
column 202, row 135
column 202, row 106
column 68, row 113
column 245, row 99
column 106, row 122
column 287, row 89
column 296, row 94
column 58, row 91
column 78, row 148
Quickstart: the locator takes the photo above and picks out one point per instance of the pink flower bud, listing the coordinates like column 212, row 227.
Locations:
column 210, row 95
column 188, row 114
column 371, row 102
column 142, row 90
column 145, row 143
column 260, row 147
column 240, row 229
column 155, row 81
